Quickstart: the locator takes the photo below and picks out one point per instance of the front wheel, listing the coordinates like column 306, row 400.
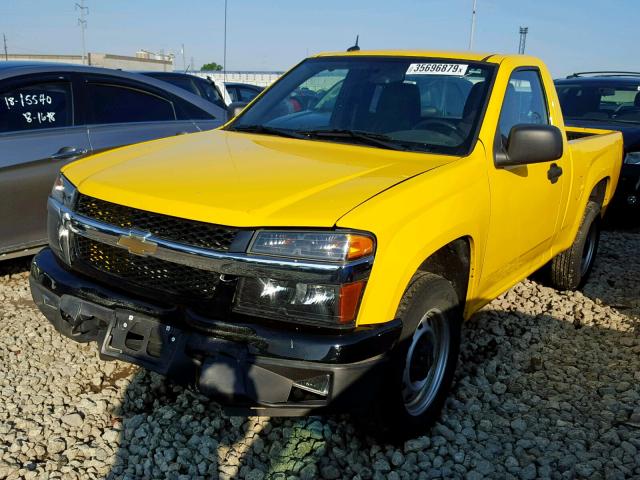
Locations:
column 424, row 361
column 570, row 269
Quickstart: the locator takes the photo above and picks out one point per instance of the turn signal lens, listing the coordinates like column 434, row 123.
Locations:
column 359, row 246
column 350, row 295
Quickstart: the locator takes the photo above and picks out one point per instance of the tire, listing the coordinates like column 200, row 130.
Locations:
column 423, row 362
column 570, row 269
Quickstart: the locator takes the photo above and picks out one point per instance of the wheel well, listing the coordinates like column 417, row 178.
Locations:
column 453, row 262
column 599, row 191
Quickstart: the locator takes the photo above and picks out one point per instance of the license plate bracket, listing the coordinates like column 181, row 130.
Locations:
column 142, row 340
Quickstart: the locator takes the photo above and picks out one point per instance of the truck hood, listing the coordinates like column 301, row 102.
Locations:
column 246, row 180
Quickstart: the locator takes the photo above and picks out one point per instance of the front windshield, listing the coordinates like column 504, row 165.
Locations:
column 419, row 104
column 600, row 102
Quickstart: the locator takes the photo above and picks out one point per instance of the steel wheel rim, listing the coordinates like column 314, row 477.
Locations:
column 426, row 362
column 589, row 250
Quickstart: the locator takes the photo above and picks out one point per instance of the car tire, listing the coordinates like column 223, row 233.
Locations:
column 570, row 269
column 424, row 361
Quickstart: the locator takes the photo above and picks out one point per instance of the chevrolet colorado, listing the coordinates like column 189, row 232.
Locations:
column 324, row 259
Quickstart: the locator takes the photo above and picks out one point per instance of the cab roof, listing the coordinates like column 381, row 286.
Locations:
column 454, row 55
column 601, row 80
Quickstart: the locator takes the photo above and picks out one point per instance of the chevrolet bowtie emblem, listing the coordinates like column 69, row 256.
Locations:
column 137, row 245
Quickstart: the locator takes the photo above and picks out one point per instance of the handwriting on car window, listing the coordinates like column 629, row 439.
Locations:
column 31, row 106
column 24, row 100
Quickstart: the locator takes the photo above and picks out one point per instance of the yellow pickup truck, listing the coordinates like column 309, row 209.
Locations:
column 320, row 251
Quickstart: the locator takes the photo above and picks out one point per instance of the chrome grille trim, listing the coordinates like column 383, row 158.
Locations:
column 239, row 264
column 175, row 229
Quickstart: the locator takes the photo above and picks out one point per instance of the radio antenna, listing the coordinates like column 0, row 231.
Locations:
column 354, row 48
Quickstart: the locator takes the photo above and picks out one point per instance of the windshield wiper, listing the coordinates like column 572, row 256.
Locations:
column 268, row 131
column 376, row 139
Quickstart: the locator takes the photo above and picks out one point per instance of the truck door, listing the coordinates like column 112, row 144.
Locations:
column 525, row 199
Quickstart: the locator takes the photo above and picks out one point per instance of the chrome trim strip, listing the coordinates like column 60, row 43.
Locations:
column 240, row 264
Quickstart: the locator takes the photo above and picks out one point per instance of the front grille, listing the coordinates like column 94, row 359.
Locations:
column 189, row 232
column 147, row 272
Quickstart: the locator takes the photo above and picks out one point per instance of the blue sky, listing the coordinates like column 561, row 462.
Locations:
column 569, row 35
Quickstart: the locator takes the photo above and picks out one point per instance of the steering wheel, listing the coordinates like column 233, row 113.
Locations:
column 441, row 126
column 622, row 108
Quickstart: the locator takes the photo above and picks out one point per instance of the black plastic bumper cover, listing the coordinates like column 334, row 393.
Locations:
column 250, row 367
column 627, row 194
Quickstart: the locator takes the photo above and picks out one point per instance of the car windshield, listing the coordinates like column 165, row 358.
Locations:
column 600, row 102
column 405, row 103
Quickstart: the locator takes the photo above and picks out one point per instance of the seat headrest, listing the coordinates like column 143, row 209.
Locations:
column 398, row 107
column 406, row 95
column 474, row 99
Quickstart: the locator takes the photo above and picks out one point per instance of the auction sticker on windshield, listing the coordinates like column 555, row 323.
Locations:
column 437, row 69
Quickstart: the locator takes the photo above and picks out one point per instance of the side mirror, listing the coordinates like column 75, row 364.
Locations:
column 531, row 144
column 235, row 108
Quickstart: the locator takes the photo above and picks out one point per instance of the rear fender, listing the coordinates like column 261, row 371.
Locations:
column 595, row 159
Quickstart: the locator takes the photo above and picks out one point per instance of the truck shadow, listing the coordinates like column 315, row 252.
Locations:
column 615, row 278
column 14, row 266
column 535, row 390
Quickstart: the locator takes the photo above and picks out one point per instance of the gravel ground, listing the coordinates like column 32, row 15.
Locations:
column 548, row 387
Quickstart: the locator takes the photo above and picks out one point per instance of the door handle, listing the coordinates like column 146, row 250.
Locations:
column 68, row 153
column 554, row 173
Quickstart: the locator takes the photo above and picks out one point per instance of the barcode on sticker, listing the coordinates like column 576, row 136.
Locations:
column 437, row 69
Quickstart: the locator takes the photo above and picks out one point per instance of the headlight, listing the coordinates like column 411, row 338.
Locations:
column 329, row 305
column 310, row 302
column 323, row 246
column 63, row 191
column 632, row 158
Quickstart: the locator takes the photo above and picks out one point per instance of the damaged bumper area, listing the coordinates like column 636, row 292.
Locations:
column 252, row 368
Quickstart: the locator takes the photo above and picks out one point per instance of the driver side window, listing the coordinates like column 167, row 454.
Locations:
column 524, row 102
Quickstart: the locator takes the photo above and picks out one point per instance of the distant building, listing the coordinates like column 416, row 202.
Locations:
column 263, row 79
column 143, row 60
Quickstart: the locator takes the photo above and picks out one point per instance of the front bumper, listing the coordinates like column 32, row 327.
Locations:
column 627, row 196
column 250, row 367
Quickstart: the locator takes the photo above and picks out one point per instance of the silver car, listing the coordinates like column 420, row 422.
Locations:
column 51, row 114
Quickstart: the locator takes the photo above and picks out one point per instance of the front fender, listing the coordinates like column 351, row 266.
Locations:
column 416, row 218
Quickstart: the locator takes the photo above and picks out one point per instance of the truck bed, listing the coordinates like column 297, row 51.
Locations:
column 595, row 154
column 578, row 133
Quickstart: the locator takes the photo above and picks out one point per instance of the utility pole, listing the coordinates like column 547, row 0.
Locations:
column 82, row 23
column 184, row 62
column 523, row 39
column 6, row 54
column 473, row 25
column 224, row 55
